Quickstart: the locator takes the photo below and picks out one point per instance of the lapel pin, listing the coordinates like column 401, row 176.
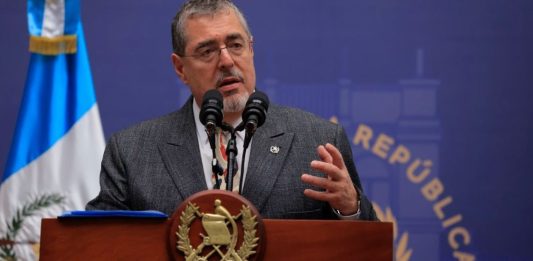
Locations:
column 274, row 149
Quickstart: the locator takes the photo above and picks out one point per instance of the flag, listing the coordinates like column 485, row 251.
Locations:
column 58, row 142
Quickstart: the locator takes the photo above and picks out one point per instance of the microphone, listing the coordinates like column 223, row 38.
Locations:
column 211, row 112
column 253, row 117
column 211, row 117
column 254, row 113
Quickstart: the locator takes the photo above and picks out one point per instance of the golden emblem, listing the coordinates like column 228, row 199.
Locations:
column 222, row 233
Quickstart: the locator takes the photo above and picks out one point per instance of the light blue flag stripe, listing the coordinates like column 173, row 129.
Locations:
column 59, row 91
column 35, row 16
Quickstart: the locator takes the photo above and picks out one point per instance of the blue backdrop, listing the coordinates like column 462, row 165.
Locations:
column 434, row 94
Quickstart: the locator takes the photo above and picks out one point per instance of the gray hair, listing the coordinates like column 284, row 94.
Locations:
column 199, row 7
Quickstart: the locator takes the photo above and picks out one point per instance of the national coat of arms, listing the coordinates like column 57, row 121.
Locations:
column 219, row 236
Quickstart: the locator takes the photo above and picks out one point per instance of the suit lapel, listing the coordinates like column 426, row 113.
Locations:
column 265, row 164
column 181, row 154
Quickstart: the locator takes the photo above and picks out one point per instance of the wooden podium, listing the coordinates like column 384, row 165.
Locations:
column 148, row 239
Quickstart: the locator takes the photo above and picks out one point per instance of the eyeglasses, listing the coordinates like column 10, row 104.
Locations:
column 209, row 53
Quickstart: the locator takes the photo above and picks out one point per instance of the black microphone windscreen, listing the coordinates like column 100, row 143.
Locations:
column 259, row 97
column 212, row 106
column 254, row 113
column 212, row 94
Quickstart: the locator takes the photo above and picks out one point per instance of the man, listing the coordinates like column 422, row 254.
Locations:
column 159, row 163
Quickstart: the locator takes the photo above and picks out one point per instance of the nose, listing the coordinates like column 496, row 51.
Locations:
column 225, row 60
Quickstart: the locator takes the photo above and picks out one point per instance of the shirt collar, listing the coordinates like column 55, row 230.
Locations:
column 200, row 129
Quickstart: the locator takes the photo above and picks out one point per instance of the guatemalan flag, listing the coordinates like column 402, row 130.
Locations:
column 58, row 143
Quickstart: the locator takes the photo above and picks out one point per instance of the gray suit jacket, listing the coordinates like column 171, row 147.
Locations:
column 156, row 165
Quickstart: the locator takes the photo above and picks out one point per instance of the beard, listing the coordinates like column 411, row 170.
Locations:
column 236, row 102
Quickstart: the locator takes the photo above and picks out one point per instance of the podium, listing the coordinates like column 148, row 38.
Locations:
column 114, row 238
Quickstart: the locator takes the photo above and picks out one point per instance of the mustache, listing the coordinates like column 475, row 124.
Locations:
column 233, row 72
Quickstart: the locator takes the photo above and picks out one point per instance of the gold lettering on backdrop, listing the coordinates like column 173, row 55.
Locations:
column 454, row 233
column 437, row 208
column 417, row 171
column 382, row 145
column 425, row 169
column 400, row 155
column 363, row 136
column 462, row 256
column 432, row 189
column 452, row 221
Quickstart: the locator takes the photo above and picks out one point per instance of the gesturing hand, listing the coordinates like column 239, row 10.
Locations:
column 339, row 192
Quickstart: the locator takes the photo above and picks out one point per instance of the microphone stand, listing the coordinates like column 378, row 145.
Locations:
column 231, row 153
column 215, row 167
column 247, row 138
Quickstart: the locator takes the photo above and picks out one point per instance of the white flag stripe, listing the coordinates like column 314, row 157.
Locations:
column 53, row 18
column 71, row 168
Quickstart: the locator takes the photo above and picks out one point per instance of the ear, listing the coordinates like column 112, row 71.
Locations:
column 178, row 67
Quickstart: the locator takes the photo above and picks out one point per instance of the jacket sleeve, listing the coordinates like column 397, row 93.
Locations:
column 113, row 180
column 341, row 140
